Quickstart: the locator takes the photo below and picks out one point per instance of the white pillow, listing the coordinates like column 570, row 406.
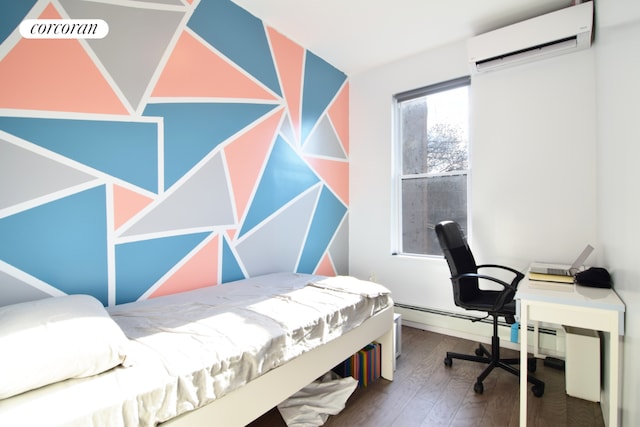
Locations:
column 53, row 339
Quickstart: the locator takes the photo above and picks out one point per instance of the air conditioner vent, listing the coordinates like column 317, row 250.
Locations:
column 566, row 30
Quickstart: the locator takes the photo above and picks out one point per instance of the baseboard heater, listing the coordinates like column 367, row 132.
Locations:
column 468, row 317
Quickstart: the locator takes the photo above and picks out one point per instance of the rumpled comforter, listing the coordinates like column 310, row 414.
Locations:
column 191, row 348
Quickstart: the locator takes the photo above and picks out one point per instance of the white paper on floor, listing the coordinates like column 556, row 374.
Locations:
column 311, row 406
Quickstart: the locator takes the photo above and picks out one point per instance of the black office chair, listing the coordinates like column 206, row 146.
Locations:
column 468, row 295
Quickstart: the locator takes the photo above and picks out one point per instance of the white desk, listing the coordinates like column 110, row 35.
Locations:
column 572, row 305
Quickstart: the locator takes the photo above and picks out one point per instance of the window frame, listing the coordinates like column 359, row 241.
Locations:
column 397, row 162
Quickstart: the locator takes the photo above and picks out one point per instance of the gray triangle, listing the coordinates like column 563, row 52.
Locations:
column 13, row 291
column 25, row 175
column 339, row 249
column 286, row 130
column 137, row 41
column 203, row 200
column 277, row 244
column 324, row 141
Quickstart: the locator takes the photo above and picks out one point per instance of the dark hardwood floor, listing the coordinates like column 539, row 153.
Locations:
column 427, row 393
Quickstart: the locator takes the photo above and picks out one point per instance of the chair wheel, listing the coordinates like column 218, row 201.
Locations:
column 479, row 352
column 538, row 390
column 448, row 362
column 532, row 365
column 478, row 387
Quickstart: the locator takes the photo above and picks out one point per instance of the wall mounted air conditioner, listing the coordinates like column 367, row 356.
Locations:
column 563, row 31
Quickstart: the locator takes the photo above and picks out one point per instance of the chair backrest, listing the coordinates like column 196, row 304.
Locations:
column 460, row 259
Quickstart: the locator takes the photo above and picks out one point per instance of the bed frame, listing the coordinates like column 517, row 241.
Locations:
column 268, row 390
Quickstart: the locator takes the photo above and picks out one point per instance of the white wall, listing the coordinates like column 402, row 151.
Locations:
column 567, row 126
column 618, row 94
column 412, row 280
column 533, row 167
column 533, row 161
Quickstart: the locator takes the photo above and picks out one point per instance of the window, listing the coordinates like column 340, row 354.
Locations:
column 431, row 165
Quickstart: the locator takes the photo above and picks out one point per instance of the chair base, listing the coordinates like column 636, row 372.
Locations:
column 493, row 360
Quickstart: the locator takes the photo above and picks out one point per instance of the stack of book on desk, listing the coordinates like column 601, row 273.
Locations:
column 557, row 273
column 542, row 277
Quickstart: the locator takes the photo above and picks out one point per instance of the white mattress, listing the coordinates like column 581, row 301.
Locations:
column 189, row 349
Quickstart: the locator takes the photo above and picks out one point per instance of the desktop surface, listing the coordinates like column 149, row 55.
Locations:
column 569, row 294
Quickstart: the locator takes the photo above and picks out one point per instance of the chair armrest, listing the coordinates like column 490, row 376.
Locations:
column 507, row 293
column 504, row 267
column 484, row 276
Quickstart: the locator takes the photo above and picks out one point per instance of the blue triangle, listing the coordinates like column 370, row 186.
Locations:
column 13, row 12
column 63, row 243
column 285, row 176
column 193, row 130
column 126, row 150
column 322, row 81
column 230, row 268
column 141, row 264
column 325, row 222
column 239, row 35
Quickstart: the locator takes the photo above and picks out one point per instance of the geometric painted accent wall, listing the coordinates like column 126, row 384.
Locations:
column 192, row 146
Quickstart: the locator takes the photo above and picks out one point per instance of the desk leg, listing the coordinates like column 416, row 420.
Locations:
column 614, row 374
column 524, row 344
column 536, row 338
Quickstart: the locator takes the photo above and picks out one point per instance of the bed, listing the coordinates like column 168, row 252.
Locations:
column 221, row 355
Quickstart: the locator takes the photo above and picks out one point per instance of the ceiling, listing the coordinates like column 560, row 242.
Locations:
column 356, row 35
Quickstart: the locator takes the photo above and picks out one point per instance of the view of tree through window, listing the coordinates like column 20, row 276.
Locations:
column 433, row 142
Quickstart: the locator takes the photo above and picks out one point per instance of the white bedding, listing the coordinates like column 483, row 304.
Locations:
column 191, row 348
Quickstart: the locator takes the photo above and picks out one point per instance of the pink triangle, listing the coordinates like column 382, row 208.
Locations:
column 245, row 157
column 289, row 59
column 231, row 233
column 127, row 203
column 198, row 272
column 54, row 75
column 194, row 70
column 339, row 115
column 335, row 174
column 325, row 267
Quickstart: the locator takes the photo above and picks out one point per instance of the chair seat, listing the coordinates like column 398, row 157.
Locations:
column 485, row 302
